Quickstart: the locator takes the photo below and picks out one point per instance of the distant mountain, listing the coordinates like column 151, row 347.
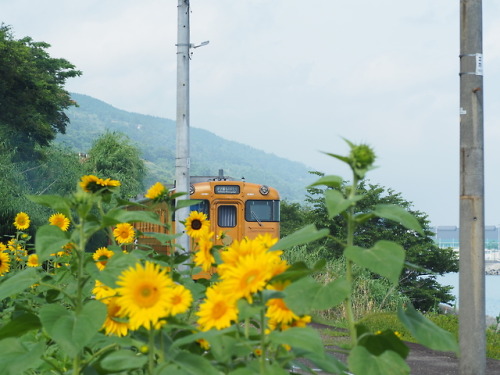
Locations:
column 156, row 139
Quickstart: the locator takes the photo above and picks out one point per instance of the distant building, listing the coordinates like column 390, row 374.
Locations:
column 449, row 236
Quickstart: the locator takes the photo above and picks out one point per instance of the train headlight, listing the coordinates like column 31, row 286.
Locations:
column 264, row 190
column 191, row 189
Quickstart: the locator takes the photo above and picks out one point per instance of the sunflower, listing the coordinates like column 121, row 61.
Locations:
column 109, row 182
column 22, row 221
column 124, row 233
column 113, row 325
column 266, row 239
column 4, row 263
column 196, row 224
column 69, row 247
column 302, row 321
column 144, row 294
column 240, row 249
column 92, row 184
column 16, row 248
column 87, row 182
column 217, row 310
column 101, row 256
column 33, row 261
column 101, row 291
column 203, row 256
column 248, row 276
column 277, row 310
column 2, row 247
column 180, row 299
column 204, row 344
column 156, row 191
column 59, row 220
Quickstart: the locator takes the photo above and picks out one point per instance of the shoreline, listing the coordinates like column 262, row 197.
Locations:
column 492, row 268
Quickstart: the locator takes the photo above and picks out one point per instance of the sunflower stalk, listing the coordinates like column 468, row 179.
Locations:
column 80, row 256
column 263, row 355
column 351, row 226
column 151, row 352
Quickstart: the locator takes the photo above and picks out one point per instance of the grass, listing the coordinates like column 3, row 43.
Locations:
column 387, row 320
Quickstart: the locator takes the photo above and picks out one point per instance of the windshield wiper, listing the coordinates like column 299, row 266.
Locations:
column 255, row 217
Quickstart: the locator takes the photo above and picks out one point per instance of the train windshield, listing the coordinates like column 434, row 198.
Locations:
column 202, row 206
column 262, row 210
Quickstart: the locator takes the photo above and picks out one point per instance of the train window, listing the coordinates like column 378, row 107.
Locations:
column 262, row 210
column 202, row 206
column 226, row 216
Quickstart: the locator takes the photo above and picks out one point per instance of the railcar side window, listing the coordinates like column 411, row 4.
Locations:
column 202, row 206
column 262, row 210
column 227, row 216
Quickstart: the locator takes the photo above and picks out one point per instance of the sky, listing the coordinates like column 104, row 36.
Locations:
column 294, row 78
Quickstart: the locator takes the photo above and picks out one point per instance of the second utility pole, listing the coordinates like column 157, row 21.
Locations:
column 472, row 320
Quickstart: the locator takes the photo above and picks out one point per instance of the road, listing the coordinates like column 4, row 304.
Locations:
column 424, row 361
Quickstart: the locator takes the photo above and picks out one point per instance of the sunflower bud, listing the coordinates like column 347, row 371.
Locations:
column 362, row 158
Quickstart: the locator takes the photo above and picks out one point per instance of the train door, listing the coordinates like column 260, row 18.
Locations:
column 227, row 218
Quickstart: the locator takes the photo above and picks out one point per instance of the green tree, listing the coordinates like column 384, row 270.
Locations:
column 424, row 259
column 32, row 97
column 56, row 171
column 114, row 156
column 293, row 216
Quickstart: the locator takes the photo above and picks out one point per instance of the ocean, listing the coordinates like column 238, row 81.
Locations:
column 492, row 291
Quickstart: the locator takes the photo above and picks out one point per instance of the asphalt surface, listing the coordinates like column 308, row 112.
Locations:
column 424, row 361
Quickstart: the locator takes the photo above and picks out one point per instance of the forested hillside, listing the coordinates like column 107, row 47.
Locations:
column 156, row 139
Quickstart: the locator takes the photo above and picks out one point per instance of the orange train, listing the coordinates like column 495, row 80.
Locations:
column 236, row 208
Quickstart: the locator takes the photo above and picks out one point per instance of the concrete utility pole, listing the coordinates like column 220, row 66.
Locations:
column 471, row 285
column 182, row 160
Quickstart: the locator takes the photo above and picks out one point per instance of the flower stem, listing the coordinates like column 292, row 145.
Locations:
column 351, row 226
column 263, row 356
column 151, row 352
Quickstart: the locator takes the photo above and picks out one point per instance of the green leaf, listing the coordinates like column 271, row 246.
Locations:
column 169, row 369
column 70, row 330
column 118, row 215
column 163, row 238
column 19, row 325
column 304, row 338
column 362, row 362
column 386, row 340
column 114, row 267
column 426, row 332
column 56, row 202
column 122, row 360
column 296, row 271
column 181, row 203
column 224, row 347
column 327, row 362
column 399, row 215
column 207, row 335
column 16, row 357
column 306, row 294
column 305, row 235
column 49, row 239
column 336, row 203
column 194, row 364
column 345, row 159
column 247, row 310
column 330, row 181
column 19, row 282
column 242, row 371
column 385, row 258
